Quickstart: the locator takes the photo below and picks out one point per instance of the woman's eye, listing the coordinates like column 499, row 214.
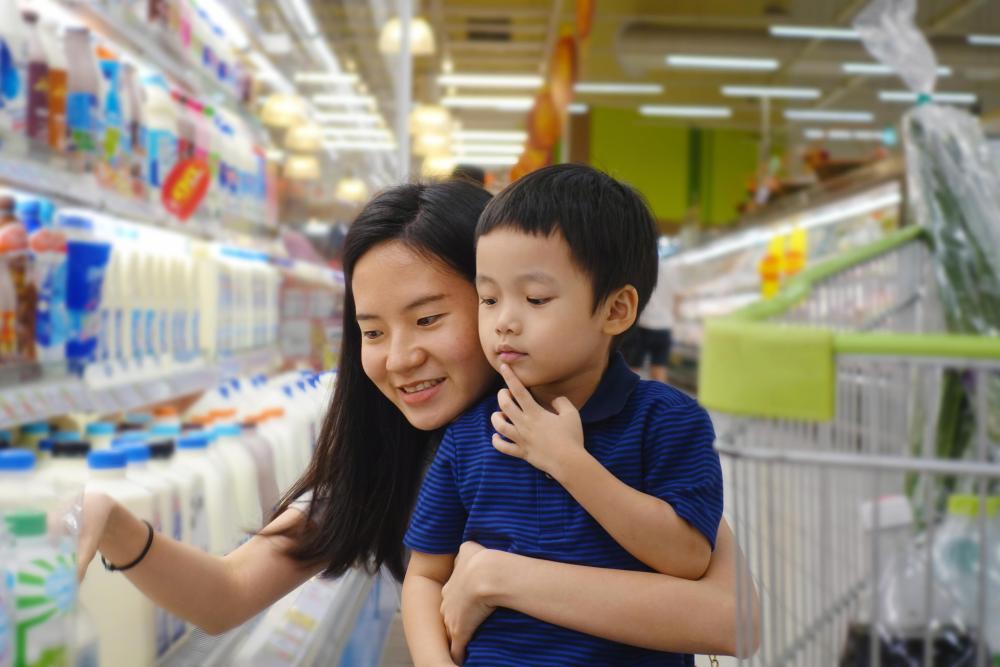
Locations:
column 538, row 302
column 429, row 320
column 486, row 301
column 371, row 335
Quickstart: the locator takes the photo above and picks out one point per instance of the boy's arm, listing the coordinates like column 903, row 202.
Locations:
column 645, row 526
column 425, row 632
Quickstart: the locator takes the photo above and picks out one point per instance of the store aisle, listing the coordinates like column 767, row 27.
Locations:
column 396, row 654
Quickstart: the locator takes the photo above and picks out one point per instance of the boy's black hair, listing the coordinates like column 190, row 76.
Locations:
column 610, row 230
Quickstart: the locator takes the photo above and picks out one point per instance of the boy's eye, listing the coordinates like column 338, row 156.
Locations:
column 487, row 301
column 539, row 302
column 429, row 320
column 371, row 335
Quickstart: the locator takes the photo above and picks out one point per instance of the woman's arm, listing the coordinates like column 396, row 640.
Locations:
column 214, row 593
column 644, row 609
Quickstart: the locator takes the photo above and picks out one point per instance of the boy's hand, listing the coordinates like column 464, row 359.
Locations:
column 545, row 439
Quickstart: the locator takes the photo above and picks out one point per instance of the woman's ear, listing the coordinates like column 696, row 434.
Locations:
column 621, row 309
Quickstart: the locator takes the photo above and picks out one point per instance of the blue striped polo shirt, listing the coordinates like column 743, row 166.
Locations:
column 649, row 435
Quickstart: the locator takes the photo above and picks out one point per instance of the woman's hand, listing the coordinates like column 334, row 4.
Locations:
column 546, row 440
column 462, row 607
column 97, row 508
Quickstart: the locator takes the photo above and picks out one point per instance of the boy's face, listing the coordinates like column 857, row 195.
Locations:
column 536, row 309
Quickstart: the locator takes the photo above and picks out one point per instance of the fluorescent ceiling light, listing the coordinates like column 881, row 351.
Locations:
column 611, row 88
column 907, row 96
column 685, row 111
column 326, row 77
column 357, row 133
column 490, row 149
column 484, row 102
column 514, row 81
column 821, row 114
column 771, row 91
column 814, row 133
column 362, row 146
column 305, row 16
column 359, row 117
column 578, row 108
column 345, row 100
column 813, row 32
column 491, row 135
column 984, row 40
column 487, row 160
column 687, row 61
column 878, row 69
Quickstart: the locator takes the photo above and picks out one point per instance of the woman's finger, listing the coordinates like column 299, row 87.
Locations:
column 504, row 427
column 508, row 448
column 517, row 389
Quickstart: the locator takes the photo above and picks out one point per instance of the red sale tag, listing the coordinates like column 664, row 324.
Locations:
column 185, row 187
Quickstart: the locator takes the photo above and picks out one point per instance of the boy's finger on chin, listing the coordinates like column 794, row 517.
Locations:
column 515, row 386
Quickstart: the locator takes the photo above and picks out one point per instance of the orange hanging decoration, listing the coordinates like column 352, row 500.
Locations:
column 584, row 18
column 563, row 72
column 544, row 122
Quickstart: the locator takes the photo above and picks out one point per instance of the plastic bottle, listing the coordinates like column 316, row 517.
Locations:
column 14, row 45
column 263, row 455
column 135, row 128
column 112, row 112
column 66, row 468
column 245, row 474
column 100, row 435
column 111, row 345
column 193, row 453
column 956, row 551
column 49, row 255
column 116, row 602
column 87, row 643
column 82, row 98
column 166, row 520
column 7, row 609
column 37, row 120
column 20, row 485
column 17, row 330
column 194, row 528
column 33, row 433
column 55, row 55
column 160, row 117
column 44, row 591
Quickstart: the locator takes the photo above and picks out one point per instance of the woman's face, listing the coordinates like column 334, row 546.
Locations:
column 419, row 338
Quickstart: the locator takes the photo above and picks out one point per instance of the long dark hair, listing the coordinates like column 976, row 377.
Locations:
column 368, row 459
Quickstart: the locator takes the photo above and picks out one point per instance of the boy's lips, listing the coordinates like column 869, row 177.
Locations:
column 508, row 354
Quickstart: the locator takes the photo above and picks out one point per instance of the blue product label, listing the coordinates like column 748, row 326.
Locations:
column 104, row 336
column 86, row 263
column 6, row 629
column 81, row 118
column 118, row 323
column 150, row 332
column 164, row 322
column 162, row 150
column 137, row 319
column 179, row 331
column 195, row 333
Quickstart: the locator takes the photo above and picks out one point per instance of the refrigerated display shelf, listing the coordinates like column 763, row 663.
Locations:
column 96, row 392
column 309, row 626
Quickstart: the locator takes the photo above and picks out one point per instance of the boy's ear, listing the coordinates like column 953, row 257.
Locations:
column 621, row 309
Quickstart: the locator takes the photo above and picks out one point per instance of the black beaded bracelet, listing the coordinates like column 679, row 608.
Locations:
column 145, row 550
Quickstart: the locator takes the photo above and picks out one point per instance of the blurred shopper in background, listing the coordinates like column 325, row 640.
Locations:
column 652, row 337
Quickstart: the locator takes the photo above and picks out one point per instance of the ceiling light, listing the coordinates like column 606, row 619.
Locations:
column 283, row 110
column 302, row 168
column 821, row 114
column 274, row 154
column 514, row 81
column 813, row 32
column 390, row 41
column 361, row 146
column 685, row 111
column 907, row 96
column 878, row 69
column 722, row 62
column 305, row 138
column 483, row 102
column 578, row 108
column 345, row 100
column 326, row 77
column 491, row 135
column 351, row 190
column 359, row 117
column 618, row 88
column 488, row 160
column 429, row 118
column 490, row 149
column 357, row 133
column 439, row 166
column 984, row 40
column 771, row 91
column 814, row 133
column 431, row 143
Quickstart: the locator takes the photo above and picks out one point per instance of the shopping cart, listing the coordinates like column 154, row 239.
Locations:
column 827, row 397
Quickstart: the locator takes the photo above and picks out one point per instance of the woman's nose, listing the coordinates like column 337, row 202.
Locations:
column 403, row 356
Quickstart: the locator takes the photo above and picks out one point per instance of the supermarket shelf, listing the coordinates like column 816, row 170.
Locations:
column 309, row 626
column 51, row 397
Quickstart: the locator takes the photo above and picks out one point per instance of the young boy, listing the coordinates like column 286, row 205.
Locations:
column 577, row 460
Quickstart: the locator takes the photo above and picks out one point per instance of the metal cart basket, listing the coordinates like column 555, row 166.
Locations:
column 832, row 394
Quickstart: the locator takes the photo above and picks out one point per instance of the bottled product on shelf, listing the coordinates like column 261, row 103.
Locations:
column 193, row 454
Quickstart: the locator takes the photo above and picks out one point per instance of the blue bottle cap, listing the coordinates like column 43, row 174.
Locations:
column 17, row 460
column 100, row 428
column 136, row 453
column 193, row 441
column 106, row 459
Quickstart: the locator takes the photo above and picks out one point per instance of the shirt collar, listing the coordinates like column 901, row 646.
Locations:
column 612, row 391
